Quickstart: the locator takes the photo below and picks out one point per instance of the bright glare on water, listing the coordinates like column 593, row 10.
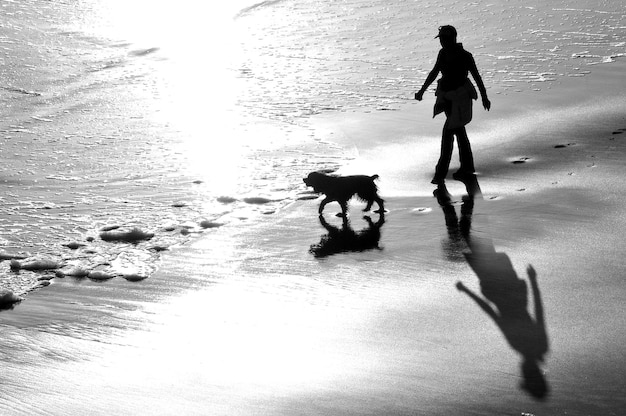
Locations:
column 127, row 114
column 197, row 48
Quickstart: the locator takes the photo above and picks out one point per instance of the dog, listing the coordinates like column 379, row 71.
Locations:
column 342, row 188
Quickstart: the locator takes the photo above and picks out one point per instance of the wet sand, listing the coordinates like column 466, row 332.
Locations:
column 250, row 322
column 247, row 320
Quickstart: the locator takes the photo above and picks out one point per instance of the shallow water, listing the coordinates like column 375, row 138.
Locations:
column 175, row 121
column 124, row 125
column 108, row 122
column 249, row 322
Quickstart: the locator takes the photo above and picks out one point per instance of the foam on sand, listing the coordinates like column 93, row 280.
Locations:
column 8, row 299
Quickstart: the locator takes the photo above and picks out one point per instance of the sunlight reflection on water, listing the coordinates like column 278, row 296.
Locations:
column 244, row 341
column 196, row 86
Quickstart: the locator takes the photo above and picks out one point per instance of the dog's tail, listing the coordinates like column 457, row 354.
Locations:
column 374, row 177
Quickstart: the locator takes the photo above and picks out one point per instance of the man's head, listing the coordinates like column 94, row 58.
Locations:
column 447, row 35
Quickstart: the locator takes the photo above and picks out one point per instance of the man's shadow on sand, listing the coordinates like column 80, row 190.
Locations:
column 505, row 295
column 344, row 239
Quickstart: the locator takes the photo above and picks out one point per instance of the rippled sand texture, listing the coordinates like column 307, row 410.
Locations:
column 153, row 158
column 367, row 56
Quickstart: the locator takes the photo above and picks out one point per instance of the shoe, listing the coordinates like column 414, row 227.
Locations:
column 437, row 180
column 461, row 175
column 443, row 196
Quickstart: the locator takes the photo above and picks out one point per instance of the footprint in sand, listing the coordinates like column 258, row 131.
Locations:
column 616, row 132
column 520, row 160
column 226, row 199
column 561, row 146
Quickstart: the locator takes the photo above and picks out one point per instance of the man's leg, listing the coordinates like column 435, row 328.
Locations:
column 447, row 144
column 465, row 151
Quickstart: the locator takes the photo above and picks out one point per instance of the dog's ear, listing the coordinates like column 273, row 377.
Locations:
column 314, row 176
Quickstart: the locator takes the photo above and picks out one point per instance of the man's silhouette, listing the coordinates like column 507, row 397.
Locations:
column 455, row 93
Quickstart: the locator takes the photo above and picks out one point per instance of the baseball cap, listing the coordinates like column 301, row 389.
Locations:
column 446, row 31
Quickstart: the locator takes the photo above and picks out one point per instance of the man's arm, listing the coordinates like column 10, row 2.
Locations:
column 532, row 276
column 483, row 305
column 481, row 86
column 432, row 76
column 429, row 80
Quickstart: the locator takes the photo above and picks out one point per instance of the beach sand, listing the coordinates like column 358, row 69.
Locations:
column 246, row 320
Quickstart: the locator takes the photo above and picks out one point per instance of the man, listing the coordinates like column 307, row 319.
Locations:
column 455, row 93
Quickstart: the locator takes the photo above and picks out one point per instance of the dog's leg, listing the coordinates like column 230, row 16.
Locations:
column 381, row 206
column 369, row 205
column 344, row 208
column 323, row 204
column 344, row 213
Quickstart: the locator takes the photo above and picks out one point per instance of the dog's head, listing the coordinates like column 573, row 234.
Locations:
column 315, row 180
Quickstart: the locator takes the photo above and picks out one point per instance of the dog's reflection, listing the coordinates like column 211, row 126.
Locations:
column 505, row 294
column 344, row 239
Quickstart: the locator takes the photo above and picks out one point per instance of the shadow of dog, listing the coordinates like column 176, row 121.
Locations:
column 344, row 239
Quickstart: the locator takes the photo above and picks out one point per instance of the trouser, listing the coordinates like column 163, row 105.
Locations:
column 447, row 144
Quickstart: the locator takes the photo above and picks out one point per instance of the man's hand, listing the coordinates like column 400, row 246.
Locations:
column 486, row 104
column 419, row 95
